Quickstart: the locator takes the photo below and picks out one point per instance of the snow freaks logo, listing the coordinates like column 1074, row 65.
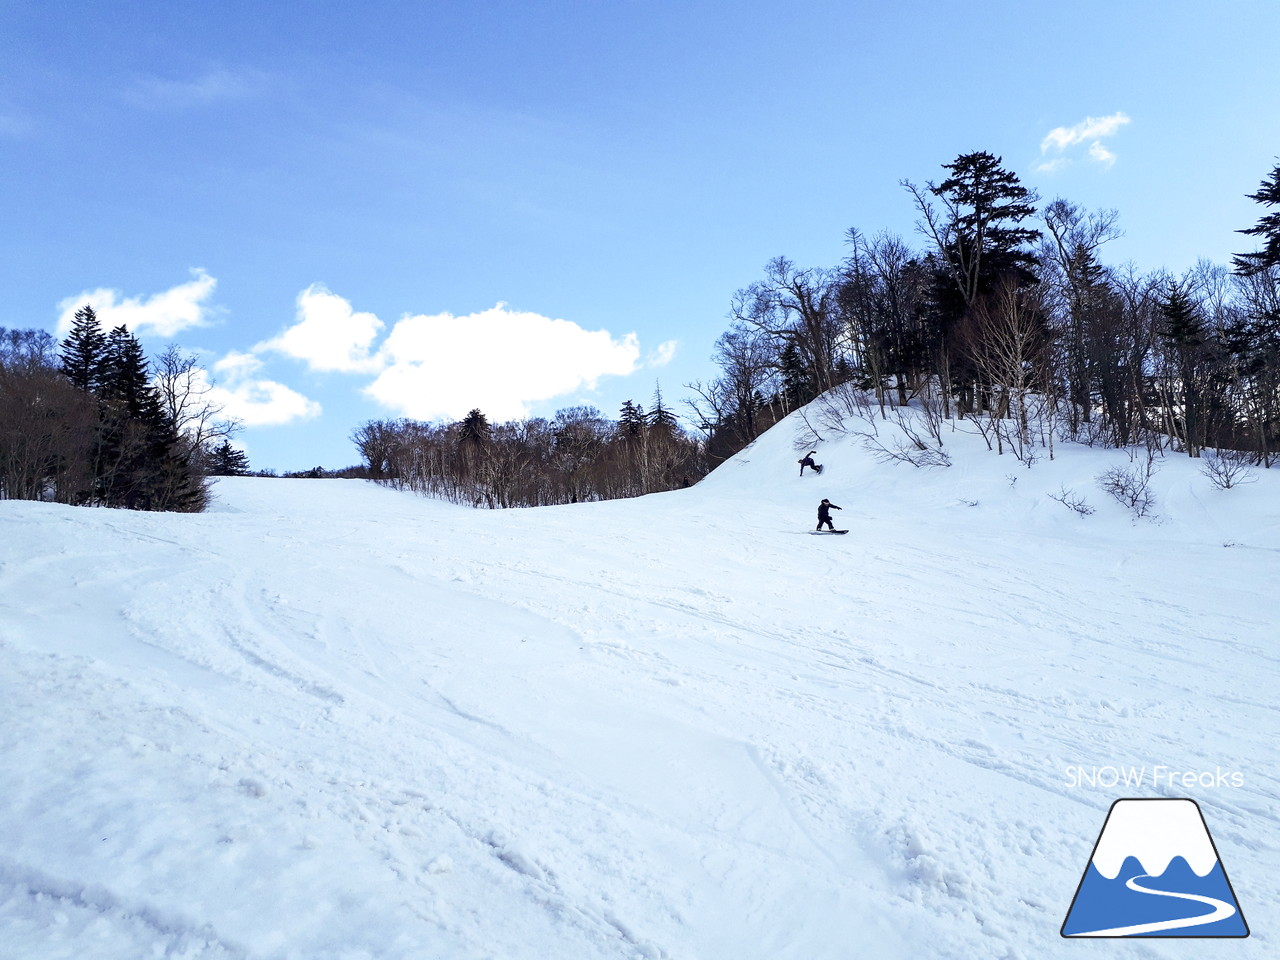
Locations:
column 1134, row 778
column 1154, row 873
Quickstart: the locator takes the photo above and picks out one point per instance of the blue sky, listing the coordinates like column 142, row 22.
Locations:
column 354, row 211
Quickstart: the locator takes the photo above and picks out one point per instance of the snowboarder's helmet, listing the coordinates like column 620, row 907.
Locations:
column 825, row 500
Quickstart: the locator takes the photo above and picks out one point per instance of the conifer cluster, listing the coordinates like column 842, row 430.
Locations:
column 85, row 424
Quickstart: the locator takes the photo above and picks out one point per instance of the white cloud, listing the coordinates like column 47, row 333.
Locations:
column 663, row 355
column 264, row 403
column 244, row 395
column 1050, row 166
column 257, row 402
column 164, row 314
column 329, row 335
column 1057, row 144
column 221, row 84
column 1101, row 154
column 500, row 360
column 431, row 366
column 1090, row 128
column 237, row 366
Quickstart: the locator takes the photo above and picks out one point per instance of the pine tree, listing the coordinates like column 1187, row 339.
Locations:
column 979, row 233
column 1183, row 325
column 797, row 384
column 141, row 463
column 1183, row 331
column 659, row 416
column 980, row 246
column 631, row 419
column 227, row 461
column 1267, row 227
column 127, row 380
column 474, row 428
column 84, row 351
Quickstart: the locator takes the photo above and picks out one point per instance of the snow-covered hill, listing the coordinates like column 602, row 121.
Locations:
column 330, row 720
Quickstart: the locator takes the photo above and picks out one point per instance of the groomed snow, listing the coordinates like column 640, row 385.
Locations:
column 332, row 720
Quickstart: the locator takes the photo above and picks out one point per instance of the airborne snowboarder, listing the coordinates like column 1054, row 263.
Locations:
column 808, row 462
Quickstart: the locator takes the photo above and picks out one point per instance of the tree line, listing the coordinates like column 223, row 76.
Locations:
column 92, row 421
column 577, row 456
column 1010, row 317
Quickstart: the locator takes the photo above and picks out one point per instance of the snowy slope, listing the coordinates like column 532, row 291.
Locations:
column 331, row 720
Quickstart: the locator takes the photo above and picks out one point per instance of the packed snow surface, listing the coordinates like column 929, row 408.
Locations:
column 329, row 719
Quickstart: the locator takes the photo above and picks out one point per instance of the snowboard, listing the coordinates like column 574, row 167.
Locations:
column 816, row 532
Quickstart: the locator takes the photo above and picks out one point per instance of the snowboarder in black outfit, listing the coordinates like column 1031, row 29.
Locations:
column 808, row 462
column 824, row 513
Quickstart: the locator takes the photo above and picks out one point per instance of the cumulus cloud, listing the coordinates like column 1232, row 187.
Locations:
column 426, row 366
column 238, row 384
column 441, row 365
column 328, row 335
column 1056, row 149
column 254, row 401
column 237, row 365
column 500, row 360
column 164, row 314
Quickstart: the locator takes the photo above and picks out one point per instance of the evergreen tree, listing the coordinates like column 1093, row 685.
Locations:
column 1267, row 227
column 631, row 419
column 227, row 461
column 979, row 232
column 84, row 351
column 797, row 384
column 660, row 417
column 126, row 380
column 474, row 428
column 141, row 463
column 178, row 486
column 100, row 431
column 1183, row 325
column 980, row 245
column 1183, row 331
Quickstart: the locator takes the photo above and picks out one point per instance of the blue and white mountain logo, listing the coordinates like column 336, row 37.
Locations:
column 1155, row 873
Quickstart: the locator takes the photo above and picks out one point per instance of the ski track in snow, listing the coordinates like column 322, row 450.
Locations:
column 333, row 720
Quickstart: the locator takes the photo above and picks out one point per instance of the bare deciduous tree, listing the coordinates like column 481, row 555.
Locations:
column 47, row 430
column 798, row 308
column 186, row 394
column 1008, row 348
column 576, row 457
